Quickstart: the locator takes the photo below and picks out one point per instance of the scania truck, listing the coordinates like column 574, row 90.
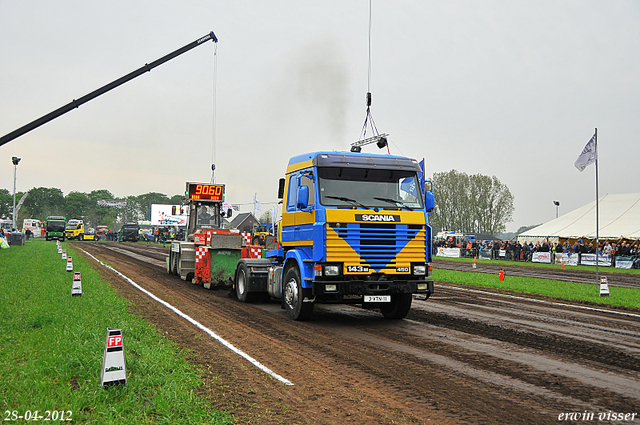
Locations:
column 354, row 230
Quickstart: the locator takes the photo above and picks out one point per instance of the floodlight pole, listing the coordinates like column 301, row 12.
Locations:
column 15, row 161
column 597, row 214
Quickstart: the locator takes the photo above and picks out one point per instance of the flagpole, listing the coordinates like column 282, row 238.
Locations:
column 597, row 215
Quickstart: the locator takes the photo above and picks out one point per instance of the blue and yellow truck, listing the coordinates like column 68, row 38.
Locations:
column 354, row 230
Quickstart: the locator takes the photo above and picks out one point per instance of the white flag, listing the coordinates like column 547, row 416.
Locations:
column 588, row 155
column 257, row 206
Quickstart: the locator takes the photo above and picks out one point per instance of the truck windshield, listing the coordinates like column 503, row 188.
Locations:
column 371, row 188
column 55, row 226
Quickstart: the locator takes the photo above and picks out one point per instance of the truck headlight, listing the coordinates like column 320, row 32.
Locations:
column 331, row 270
column 420, row 270
column 422, row 286
column 331, row 288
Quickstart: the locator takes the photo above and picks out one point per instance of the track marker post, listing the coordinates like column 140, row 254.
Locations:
column 474, row 263
column 69, row 264
column 114, row 371
column 76, row 287
column 604, row 287
column 501, row 275
column 64, row 254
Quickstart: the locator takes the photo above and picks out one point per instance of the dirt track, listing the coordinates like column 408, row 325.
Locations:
column 460, row 357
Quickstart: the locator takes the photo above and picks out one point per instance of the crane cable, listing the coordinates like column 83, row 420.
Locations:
column 369, row 117
column 213, row 119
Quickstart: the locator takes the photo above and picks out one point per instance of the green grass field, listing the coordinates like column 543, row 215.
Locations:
column 52, row 346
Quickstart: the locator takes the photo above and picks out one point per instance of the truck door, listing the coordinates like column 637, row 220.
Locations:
column 298, row 220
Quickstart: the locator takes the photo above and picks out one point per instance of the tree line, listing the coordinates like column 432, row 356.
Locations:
column 465, row 203
column 42, row 202
column 471, row 203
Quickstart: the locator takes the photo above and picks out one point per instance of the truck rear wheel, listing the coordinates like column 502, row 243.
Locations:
column 242, row 285
column 398, row 308
column 173, row 263
column 293, row 296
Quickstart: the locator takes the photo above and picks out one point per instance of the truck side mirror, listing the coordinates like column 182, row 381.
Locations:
column 303, row 197
column 229, row 213
column 429, row 201
column 281, row 189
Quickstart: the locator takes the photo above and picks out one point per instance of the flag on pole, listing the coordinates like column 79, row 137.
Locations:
column 588, row 155
column 257, row 205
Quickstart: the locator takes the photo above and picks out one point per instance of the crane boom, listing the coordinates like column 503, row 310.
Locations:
column 75, row 103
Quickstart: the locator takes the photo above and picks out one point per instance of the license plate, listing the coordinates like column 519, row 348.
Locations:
column 377, row 298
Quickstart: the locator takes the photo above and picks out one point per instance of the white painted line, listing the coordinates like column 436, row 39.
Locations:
column 199, row 325
column 545, row 302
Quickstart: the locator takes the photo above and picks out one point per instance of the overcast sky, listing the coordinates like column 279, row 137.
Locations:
column 506, row 88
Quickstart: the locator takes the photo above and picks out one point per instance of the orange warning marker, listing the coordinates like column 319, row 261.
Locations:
column 474, row 263
column 501, row 275
column 562, row 264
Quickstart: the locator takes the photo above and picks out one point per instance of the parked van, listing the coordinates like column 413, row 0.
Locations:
column 35, row 226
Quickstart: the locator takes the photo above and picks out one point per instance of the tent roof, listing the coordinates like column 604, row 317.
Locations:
column 619, row 217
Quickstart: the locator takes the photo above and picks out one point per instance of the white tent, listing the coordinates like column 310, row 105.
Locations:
column 619, row 218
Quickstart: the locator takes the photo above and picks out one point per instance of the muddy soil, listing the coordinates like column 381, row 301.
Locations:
column 461, row 357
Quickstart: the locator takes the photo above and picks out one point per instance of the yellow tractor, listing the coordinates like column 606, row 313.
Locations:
column 259, row 234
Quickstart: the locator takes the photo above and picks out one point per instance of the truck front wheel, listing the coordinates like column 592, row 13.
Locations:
column 294, row 303
column 398, row 308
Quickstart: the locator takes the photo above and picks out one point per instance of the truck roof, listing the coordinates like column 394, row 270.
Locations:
column 352, row 159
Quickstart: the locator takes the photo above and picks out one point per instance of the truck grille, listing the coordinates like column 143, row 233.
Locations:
column 378, row 245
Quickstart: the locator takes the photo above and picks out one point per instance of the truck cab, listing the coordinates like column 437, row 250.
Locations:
column 5, row 227
column 55, row 228
column 354, row 229
column 130, row 231
column 74, row 229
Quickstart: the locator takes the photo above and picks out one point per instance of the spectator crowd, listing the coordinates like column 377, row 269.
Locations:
column 516, row 251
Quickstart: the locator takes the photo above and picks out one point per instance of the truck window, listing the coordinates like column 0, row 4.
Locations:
column 292, row 195
column 307, row 180
column 296, row 180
